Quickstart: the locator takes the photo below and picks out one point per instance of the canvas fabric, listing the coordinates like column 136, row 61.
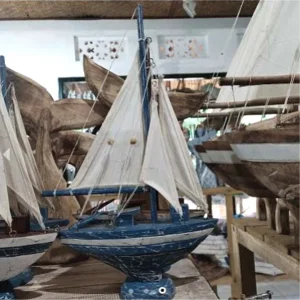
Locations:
column 270, row 47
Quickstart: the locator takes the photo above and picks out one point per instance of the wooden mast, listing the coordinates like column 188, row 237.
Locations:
column 145, row 97
column 3, row 80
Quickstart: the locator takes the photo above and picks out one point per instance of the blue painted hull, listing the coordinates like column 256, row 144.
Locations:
column 18, row 253
column 50, row 223
column 143, row 251
column 145, row 267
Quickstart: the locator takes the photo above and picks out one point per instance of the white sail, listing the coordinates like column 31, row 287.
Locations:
column 183, row 171
column 4, row 202
column 116, row 155
column 25, row 146
column 157, row 170
column 30, row 162
column 270, row 47
column 16, row 174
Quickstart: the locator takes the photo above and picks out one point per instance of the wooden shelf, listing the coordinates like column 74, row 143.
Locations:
column 250, row 236
column 227, row 279
column 92, row 279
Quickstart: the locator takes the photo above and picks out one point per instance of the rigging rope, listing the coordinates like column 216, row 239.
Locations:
column 222, row 55
column 92, row 107
column 128, row 155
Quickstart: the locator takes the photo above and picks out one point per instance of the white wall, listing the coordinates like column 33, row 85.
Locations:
column 44, row 50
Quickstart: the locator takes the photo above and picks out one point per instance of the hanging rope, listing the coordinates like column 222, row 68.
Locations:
column 242, row 112
column 227, row 43
column 221, row 59
column 295, row 64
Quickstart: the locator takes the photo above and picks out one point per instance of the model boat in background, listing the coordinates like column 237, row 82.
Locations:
column 134, row 152
column 33, row 172
column 221, row 159
column 19, row 246
column 49, row 125
column 272, row 156
column 246, row 158
column 219, row 156
column 106, row 85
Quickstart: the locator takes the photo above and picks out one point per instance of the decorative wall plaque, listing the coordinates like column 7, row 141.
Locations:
column 100, row 48
column 179, row 47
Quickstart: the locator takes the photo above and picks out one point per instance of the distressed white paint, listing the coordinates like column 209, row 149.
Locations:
column 140, row 241
column 268, row 152
column 12, row 266
column 223, row 157
column 28, row 240
column 44, row 50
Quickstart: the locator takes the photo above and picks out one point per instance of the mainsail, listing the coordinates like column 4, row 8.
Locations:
column 4, row 202
column 116, row 156
column 120, row 157
column 183, row 171
column 17, row 177
column 24, row 144
column 30, row 162
column 270, row 47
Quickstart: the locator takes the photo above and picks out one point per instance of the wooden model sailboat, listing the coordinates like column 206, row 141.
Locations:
column 265, row 50
column 136, row 151
column 19, row 247
column 273, row 155
column 221, row 159
column 32, row 169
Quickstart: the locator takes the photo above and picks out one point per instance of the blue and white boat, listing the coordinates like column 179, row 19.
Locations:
column 19, row 247
column 140, row 148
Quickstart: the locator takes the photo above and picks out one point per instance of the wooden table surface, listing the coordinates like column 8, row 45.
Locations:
column 92, row 279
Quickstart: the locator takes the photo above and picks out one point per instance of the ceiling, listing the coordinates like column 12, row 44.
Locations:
column 111, row 9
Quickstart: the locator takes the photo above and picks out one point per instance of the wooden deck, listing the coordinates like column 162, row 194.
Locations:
column 92, row 279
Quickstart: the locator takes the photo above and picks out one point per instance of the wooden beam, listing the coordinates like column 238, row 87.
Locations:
column 221, row 190
column 175, row 5
column 261, row 213
column 229, row 218
column 258, row 80
column 245, row 112
column 244, row 223
column 243, row 268
column 253, row 102
column 282, row 217
column 227, row 279
column 209, row 206
column 113, row 9
column 270, row 204
column 286, row 263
